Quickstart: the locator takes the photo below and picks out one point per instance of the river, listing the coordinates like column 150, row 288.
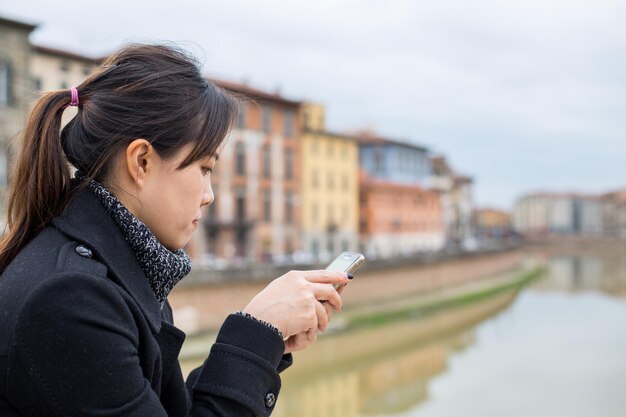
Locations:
column 554, row 348
column 557, row 348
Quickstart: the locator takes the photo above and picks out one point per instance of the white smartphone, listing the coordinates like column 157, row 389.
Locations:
column 346, row 262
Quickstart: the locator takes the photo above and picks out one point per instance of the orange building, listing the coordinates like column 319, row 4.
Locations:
column 398, row 219
column 255, row 215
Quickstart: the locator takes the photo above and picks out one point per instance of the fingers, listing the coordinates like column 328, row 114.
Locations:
column 322, row 316
column 300, row 341
column 325, row 277
column 311, row 335
column 324, row 292
column 329, row 311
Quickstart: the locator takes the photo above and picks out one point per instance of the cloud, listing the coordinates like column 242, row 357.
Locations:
column 519, row 94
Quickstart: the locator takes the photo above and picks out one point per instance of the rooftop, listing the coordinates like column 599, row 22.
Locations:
column 254, row 93
column 369, row 137
column 17, row 23
column 66, row 54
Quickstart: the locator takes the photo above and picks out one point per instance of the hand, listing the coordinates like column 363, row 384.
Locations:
column 292, row 302
column 302, row 340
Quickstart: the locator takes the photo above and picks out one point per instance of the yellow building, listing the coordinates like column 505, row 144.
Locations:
column 329, row 187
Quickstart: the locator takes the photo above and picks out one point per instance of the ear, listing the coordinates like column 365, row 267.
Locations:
column 140, row 160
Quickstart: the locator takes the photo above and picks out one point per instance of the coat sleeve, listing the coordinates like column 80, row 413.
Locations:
column 77, row 342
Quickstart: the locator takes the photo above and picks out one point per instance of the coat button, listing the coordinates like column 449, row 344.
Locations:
column 84, row 251
column 270, row 400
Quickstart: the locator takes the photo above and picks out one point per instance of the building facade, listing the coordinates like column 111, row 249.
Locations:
column 398, row 214
column 394, row 161
column 492, row 224
column 329, row 187
column 16, row 91
column 614, row 214
column 26, row 70
column 456, row 194
column 540, row 214
column 398, row 219
column 56, row 69
column 462, row 236
column 256, row 212
column 531, row 214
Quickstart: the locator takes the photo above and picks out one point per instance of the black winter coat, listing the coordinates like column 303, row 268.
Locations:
column 81, row 334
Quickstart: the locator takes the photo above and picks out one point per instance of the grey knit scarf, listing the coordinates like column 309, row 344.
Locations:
column 162, row 267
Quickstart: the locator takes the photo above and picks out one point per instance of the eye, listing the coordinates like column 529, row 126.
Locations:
column 206, row 170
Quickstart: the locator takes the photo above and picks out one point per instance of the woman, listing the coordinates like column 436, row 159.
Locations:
column 88, row 262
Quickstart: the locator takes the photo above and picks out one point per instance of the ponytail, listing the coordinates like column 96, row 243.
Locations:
column 41, row 179
column 156, row 92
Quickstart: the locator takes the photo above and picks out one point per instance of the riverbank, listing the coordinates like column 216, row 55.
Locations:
column 202, row 308
column 381, row 314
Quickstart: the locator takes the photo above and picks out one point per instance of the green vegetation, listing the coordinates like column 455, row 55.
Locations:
column 423, row 309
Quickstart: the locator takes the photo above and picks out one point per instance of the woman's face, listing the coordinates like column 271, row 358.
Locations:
column 171, row 199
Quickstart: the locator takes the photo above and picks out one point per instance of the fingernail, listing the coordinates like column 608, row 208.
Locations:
column 350, row 276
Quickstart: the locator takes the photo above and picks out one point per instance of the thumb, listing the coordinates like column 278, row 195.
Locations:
column 326, row 277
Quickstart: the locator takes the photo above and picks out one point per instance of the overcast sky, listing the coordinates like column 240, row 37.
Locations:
column 521, row 95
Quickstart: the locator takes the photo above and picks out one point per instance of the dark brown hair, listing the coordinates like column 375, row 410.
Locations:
column 155, row 92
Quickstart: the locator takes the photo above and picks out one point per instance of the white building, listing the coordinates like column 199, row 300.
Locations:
column 558, row 213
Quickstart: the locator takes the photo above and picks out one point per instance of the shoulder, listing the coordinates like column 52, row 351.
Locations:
column 49, row 254
column 54, row 272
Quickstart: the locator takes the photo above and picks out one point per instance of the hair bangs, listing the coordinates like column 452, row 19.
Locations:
column 217, row 115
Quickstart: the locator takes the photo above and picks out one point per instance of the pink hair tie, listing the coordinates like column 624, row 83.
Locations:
column 74, row 101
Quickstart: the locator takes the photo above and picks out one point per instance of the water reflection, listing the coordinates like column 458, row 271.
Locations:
column 580, row 273
column 379, row 370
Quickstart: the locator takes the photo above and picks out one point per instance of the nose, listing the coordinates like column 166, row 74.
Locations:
column 207, row 196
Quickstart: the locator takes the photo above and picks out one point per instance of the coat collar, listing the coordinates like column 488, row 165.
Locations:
column 86, row 220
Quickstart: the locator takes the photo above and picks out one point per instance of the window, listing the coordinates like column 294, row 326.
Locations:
column 315, row 179
column 306, row 119
column 241, row 117
column 288, row 164
column 289, row 208
column 330, row 150
column 64, row 85
column 240, row 158
column 345, row 182
column 345, row 214
column 315, row 247
column 37, row 83
column 267, row 160
column 378, row 161
column 266, row 114
column 240, row 204
column 331, row 247
column 5, row 75
column 267, row 206
column 288, row 123
column 65, row 66
column 331, row 181
column 314, row 146
column 314, row 213
column 86, row 70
